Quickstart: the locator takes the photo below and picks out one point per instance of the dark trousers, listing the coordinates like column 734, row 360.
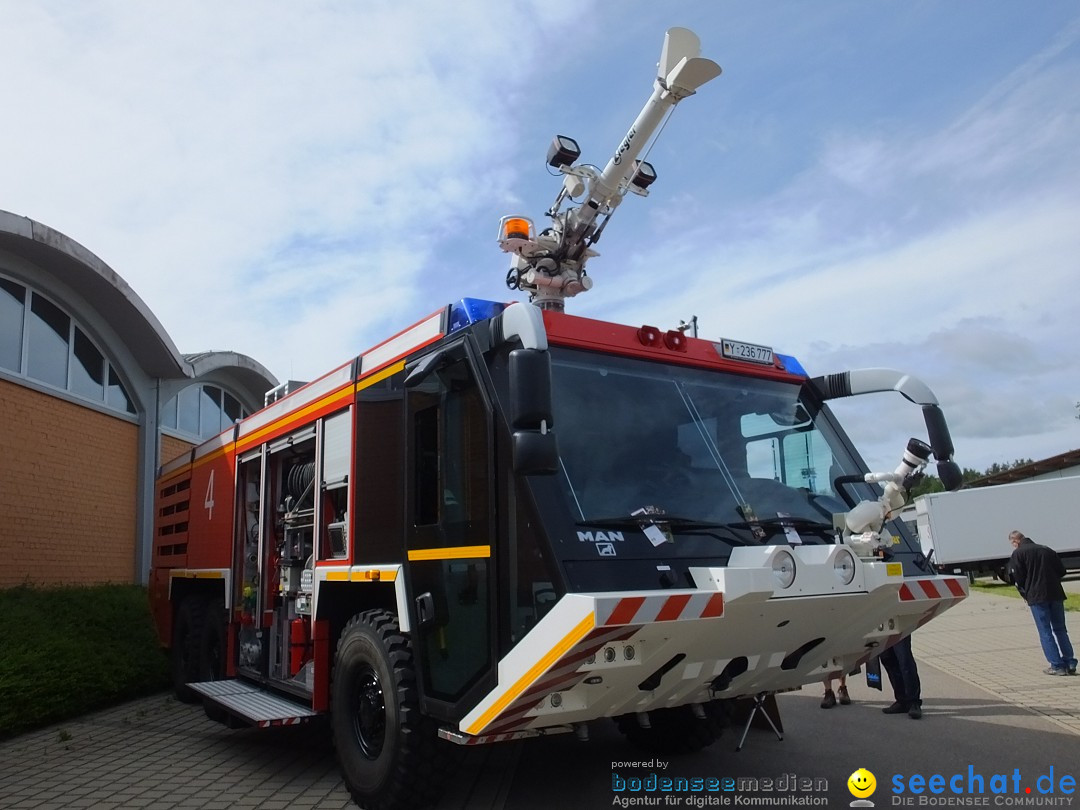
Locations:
column 899, row 663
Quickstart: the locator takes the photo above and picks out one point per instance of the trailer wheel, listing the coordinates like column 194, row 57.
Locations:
column 186, row 636
column 676, row 730
column 389, row 753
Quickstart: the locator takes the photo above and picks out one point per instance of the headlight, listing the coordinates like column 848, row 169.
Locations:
column 844, row 566
column 783, row 568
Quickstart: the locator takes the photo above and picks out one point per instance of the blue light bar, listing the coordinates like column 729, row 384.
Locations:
column 468, row 311
column 791, row 365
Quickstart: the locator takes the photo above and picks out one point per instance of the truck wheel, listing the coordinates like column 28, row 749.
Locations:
column 389, row 753
column 676, row 730
column 186, row 636
column 212, row 648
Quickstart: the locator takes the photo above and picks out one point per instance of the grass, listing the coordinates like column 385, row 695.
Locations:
column 1072, row 600
column 66, row 651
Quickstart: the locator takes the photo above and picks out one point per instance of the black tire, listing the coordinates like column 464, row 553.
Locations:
column 186, row 637
column 675, row 731
column 389, row 753
column 212, row 650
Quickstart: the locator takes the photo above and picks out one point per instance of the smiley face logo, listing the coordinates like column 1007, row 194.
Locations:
column 861, row 783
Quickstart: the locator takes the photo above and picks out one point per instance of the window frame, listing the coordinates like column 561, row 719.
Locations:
column 75, row 327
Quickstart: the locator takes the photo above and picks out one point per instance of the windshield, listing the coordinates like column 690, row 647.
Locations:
column 693, row 445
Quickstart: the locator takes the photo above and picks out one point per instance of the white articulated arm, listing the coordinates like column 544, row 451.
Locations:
column 874, row 380
column 551, row 266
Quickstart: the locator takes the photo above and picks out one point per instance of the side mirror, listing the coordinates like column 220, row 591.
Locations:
column 535, row 453
column 534, row 449
column 530, row 389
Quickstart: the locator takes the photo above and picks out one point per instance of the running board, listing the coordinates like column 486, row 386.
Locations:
column 252, row 704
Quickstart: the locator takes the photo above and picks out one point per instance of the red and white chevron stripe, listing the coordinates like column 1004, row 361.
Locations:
column 661, row 608
column 939, row 588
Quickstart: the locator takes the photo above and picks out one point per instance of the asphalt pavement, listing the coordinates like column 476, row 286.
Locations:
column 989, row 711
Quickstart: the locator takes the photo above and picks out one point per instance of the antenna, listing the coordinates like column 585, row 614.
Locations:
column 551, row 266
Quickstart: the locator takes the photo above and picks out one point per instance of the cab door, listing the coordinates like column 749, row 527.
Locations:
column 449, row 534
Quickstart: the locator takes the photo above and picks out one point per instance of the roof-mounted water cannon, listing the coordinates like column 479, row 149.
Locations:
column 863, row 524
column 550, row 266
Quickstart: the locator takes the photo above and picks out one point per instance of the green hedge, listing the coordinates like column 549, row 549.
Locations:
column 66, row 651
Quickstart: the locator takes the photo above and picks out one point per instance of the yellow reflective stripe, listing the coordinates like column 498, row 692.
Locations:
column 378, row 376
column 294, row 418
column 583, row 628
column 374, row 575
column 186, row 574
column 367, row 575
column 455, row 553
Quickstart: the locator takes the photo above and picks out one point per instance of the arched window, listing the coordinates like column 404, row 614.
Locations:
column 42, row 342
column 201, row 411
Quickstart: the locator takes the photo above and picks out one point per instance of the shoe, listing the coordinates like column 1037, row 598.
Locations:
column 843, row 695
column 896, row 708
column 1055, row 671
column 915, row 712
column 1072, row 671
column 829, row 700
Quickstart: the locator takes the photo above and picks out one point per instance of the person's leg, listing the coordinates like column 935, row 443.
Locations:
column 909, row 673
column 829, row 700
column 842, row 693
column 1061, row 635
column 1040, row 611
column 892, row 668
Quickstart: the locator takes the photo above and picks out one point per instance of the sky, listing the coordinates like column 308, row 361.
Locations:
column 867, row 184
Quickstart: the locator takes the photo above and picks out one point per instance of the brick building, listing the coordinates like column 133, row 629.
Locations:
column 94, row 396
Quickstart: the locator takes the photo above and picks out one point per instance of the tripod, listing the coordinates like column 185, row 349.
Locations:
column 759, row 703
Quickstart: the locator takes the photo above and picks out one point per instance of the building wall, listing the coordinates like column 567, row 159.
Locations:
column 67, row 491
column 171, row 447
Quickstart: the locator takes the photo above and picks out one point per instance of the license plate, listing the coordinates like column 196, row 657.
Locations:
column 750, row 352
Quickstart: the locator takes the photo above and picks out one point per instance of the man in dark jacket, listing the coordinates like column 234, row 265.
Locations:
column 1037, row 572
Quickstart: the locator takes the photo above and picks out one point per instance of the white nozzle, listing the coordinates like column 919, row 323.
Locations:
column 690, row 74
column 679, row 44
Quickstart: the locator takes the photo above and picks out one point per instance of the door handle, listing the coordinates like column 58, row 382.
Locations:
column 425, row 609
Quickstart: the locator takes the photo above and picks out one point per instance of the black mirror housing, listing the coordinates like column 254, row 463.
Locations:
column 535, row 453
column 530, row 389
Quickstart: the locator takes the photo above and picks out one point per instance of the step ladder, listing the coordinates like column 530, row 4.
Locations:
column 254, row 705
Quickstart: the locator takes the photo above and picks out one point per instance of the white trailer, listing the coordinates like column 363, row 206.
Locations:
column 967, row 531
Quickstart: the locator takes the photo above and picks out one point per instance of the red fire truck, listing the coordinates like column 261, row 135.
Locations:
column 509, row 521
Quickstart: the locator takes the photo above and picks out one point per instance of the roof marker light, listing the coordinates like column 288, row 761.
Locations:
column 649, row 336
column 675, row 340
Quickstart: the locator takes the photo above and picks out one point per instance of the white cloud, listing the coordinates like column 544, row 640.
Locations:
column 949, row 251
column 249, row 167
column 297, row 182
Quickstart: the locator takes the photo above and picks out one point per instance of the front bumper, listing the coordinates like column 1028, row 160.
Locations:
column 738, row 633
